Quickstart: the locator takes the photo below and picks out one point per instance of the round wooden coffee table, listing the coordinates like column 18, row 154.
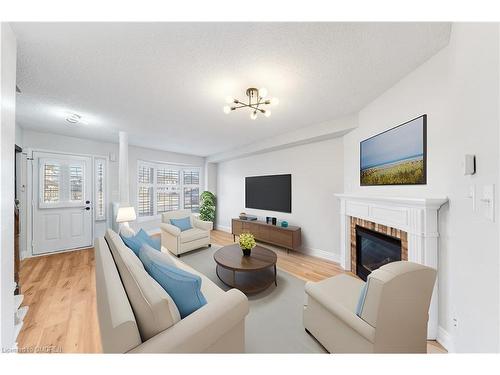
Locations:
column 250, row 274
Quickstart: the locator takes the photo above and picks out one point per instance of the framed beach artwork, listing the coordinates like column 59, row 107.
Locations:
column 397, row 156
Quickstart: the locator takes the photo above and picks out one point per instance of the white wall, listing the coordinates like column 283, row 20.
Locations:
column 317, row 173
column 60, row 143
column 7, row 139
column 458, row 90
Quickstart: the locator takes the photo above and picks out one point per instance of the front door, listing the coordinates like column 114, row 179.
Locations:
column 62, row 207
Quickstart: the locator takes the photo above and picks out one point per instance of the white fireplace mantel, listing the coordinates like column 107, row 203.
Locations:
column 418, row 217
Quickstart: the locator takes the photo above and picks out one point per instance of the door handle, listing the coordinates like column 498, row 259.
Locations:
column 86, row 209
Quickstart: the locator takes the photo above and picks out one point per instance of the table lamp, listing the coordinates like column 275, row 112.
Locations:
column 125, row 214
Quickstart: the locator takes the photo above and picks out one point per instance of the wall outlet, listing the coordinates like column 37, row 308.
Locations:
column 454, row 323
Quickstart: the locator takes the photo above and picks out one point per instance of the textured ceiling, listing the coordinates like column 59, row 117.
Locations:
column 165, row 83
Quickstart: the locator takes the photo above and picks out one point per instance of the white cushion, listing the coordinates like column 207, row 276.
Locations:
column 127, row 231
column 153, row 308
column 193, row 235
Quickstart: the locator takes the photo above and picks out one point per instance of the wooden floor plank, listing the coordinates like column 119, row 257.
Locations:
column 60, row 292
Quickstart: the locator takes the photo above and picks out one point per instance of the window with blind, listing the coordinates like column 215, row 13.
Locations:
column 100, row 189
column 165, row 187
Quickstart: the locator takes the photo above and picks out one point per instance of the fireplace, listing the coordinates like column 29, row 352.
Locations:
column 413, row 220
column 373, row 250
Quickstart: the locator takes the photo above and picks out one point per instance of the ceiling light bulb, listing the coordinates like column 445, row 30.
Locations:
column 229, row 99
column 263, row 92
column 253, row 115
column 226, row 109
column 267, row 113
column 275, row 101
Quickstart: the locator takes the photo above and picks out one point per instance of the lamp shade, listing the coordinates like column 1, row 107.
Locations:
column 125, row 214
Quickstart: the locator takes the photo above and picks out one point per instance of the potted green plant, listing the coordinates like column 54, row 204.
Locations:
column 207, row 208
column 247, row 243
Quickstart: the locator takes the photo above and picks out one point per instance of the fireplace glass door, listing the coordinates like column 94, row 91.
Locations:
column 373, row 250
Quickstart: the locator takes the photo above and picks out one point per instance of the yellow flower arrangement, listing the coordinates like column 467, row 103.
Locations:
column 247, row 241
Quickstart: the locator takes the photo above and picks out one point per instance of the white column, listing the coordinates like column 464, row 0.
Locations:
column 7, row 140
column 211, row 177
column 123, row 170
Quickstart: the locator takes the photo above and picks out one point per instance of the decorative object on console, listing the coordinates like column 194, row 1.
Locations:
column 256, row 100
column 208, row 206
column 273, row 221
column 397, row 156
column 244, row 216
column 247, row 243
column 284, row 224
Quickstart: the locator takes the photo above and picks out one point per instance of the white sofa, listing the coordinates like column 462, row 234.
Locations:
column 178, row 242
column 137, row 316
column 393, row 318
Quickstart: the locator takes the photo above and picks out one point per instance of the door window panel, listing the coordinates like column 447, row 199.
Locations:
column 76, row 183
column 51, row 183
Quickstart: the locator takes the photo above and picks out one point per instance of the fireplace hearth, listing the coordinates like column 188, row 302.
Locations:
column 373, row 250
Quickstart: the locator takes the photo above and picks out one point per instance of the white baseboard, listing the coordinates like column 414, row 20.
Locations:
column 223, row 228
column 321, row 254
column 445, row 339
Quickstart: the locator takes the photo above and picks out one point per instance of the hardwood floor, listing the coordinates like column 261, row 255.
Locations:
column 60, row 292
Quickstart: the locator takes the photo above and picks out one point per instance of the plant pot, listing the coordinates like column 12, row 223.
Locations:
column 246, row 252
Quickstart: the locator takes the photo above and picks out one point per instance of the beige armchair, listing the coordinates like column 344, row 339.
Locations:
column 178, row 242
column 393, row 317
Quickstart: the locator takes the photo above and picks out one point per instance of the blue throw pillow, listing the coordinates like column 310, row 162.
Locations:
column 156, row 243
column 149, row 254
column 135, row 242
column 183, row 224
column 146, row 238
column 182, row 286
column 361, row 300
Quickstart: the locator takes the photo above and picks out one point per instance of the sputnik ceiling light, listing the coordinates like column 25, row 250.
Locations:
column 257, row 99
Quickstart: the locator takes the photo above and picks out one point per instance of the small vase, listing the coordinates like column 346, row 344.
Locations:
column 246, row 252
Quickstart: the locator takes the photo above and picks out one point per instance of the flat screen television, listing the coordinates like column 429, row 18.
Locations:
column 397, row 156
column 271, row 193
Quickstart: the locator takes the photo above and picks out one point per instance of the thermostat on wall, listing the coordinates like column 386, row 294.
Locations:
column 469, row 165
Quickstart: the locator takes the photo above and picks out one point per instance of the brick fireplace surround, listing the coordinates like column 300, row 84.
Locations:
column 384, row 229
